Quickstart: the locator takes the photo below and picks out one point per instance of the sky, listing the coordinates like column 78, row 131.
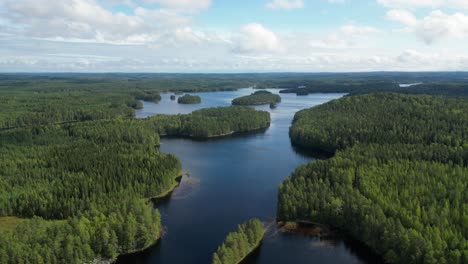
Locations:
column 233, row 35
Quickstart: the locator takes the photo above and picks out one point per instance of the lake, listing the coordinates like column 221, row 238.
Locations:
column 232, row 180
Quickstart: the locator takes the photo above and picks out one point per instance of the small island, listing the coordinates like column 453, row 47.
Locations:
column 189, row 99
column 257, row 98
column 239, row 244
column 173, row 97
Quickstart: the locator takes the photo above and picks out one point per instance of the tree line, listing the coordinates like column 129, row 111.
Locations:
column 241, row 243
column 257, row 98
column 398, row 180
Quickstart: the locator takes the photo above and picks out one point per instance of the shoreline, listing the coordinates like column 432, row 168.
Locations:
column 307, row 228
column 162, row 195
column 167, row 192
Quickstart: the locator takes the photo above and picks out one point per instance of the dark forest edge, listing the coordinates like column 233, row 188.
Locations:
column 239, row 244
column 58, row 176
column 398, row 181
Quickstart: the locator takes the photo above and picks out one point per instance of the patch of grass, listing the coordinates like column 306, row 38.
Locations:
column 9, row 223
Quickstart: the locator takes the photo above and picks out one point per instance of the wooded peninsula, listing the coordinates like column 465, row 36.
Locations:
column 398, row 180
column 239, row 244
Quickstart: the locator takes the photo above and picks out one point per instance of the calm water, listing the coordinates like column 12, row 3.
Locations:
column 232, row 180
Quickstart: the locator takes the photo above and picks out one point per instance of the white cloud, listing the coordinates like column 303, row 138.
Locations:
column 188, row 5
column 402, row 16
column 358, row 30
column 424, row 3
column 434, row 27
column 254, row 38
column 89, row 21
column 285, row 4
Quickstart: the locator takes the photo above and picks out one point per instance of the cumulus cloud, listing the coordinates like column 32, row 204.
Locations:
column 285, row 4
column 255, row 38
column 89, row 21
column 424, row 3
column 435, row 26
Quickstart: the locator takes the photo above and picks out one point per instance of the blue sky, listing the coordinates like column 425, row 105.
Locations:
column 233, row 36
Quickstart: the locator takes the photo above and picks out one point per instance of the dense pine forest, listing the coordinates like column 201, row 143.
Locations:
column 212, row 122
column 398, row 181
column 241, row 243
column 257, row 98
column 82, row 184
column 189, row 99
column 77, row 189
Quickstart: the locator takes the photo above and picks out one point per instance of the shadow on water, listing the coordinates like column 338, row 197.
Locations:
column 247, row 134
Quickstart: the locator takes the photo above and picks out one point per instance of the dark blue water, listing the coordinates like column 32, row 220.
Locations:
column 232, row 180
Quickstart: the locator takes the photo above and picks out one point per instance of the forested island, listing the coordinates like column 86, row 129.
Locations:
column 239, row 244
column 257, row 98
column 211, row 122
column 189, row 99
column 398, row 181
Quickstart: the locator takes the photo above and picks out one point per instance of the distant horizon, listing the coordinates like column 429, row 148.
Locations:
column 252, row 72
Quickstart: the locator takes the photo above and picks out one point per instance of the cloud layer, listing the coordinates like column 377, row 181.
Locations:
column 175, row 35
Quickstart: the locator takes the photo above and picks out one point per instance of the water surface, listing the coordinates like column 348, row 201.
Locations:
column 232, row 180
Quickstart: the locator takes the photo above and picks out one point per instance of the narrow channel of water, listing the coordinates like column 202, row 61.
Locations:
column 231, row 180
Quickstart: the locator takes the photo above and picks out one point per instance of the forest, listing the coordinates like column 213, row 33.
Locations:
column 78, row 189
column 239, row 244
column 189, row 99
column 83, row 186
column 257, row 98
column 211, row 122
column 38, row 99
column 435, row 88
column 398, row 180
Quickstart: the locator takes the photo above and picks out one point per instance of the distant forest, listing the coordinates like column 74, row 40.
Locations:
column 36, row 99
